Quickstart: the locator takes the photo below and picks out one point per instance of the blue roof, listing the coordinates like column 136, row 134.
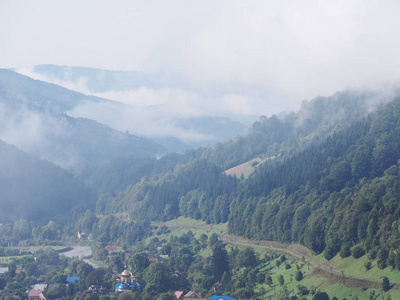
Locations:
column 73, row 279
column 222, row 298
column 133, row 286
column 123, row 286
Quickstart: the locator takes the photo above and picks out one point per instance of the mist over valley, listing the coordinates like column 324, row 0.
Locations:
column 199, row 150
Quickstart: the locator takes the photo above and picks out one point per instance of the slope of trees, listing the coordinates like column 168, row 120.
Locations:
column 342, row 191
column 36, row 189
column 314, row 121
column 198, row 190
column 326, row 193
column 115, row 175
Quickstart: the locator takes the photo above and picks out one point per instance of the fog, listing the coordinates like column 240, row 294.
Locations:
column 155, row 113
column 230, row 59
column 278, row 53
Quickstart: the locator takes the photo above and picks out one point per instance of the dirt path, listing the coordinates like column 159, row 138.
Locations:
column 78, row 251
column 82, row 252
column 302, row 253
column 294, row 251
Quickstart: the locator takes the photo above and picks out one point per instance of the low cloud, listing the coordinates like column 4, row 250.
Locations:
column 35, row 133
column 156, row 112
column 287, row 51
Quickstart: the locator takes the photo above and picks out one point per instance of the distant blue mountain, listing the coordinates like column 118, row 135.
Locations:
column 213, row 129
column 33, row 118
column 99, row 80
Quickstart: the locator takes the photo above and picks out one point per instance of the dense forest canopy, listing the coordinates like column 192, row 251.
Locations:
column 34, row 189
column 327, row 178
column 331, row 180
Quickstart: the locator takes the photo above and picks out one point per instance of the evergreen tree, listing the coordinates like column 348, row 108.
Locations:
column 281, row 280
column 219, row 260
column 385, row 284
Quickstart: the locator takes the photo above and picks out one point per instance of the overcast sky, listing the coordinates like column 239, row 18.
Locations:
column 286, row 51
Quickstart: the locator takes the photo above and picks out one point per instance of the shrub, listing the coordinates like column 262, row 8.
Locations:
column 367, row 265
column 345, row 251
column 302, row 290
column 385, row 284
column 382, row 257
column 281, row 280
column 298, row 276
column 372, row 254
column 357, row 252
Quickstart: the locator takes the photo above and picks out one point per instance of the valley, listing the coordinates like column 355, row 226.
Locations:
column 312, row 195
column 199, row 150
column 340, row 276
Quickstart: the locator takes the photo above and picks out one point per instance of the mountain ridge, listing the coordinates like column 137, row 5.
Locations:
column 317, row 191
column 35, row 189
column 34, row 118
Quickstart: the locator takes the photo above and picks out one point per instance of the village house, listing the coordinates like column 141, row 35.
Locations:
column 111, row 248
column 36, row 294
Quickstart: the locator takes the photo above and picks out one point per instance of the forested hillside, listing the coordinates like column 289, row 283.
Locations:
column 339, row 193
column 33, row 118
column 33, row 189
column 315, row 120
column 332, row 180
column 198, row 190
column 36, row 93
column 117, row 174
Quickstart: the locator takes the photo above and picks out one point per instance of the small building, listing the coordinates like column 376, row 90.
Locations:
column 19, row 271
column 178, row 295
column 3, row 271
column 222, row 298
column 217, row 287
column 97, row 289
column 73, row 279
column 111, row 248
column 177, row 273
column 127, row 282
column 153, row 259
column 193, row 295
column 40, row 286
column 82, row 235
column 36, row 294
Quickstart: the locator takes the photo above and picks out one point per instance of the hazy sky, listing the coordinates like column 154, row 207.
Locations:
column 285, row 51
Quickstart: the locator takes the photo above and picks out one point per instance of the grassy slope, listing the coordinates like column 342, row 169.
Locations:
column 4, row 260
column 354, row 281
column 182, row 225
column 247, row 168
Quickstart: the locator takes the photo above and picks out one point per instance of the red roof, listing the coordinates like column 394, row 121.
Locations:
column 111, row 248
column 178, row 294
column 153, row 259
column 34, row 293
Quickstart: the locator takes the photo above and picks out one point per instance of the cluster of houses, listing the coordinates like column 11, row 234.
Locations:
column 39, row 290
column 197, row 296
column 125, row 281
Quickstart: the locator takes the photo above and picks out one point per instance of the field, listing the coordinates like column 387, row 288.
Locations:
column 343, row 278
column 182, row 225
column 247, row 168
column 4, row 260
